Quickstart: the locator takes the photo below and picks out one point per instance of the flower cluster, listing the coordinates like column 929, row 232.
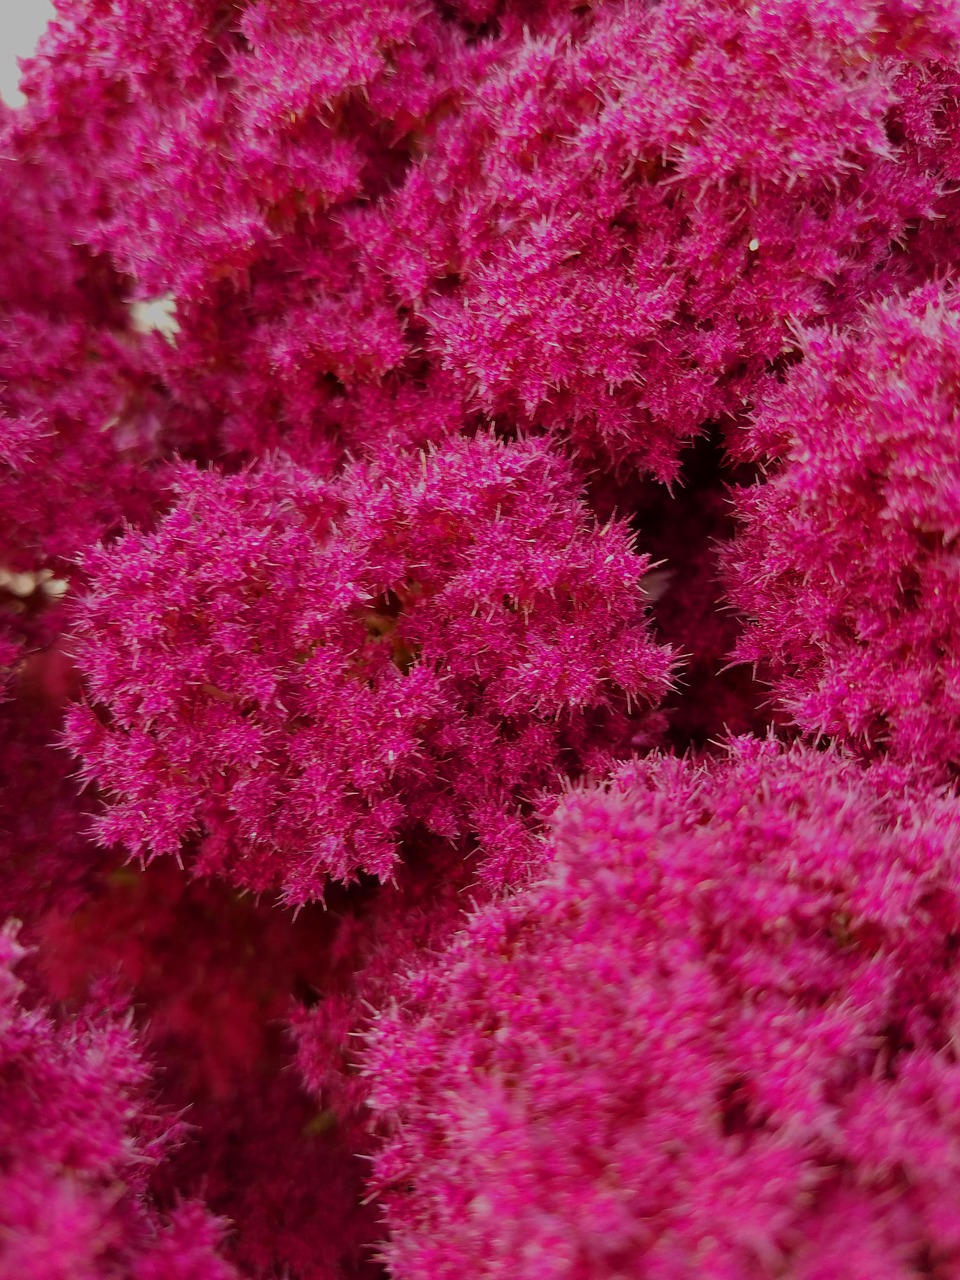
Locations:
column 597, row 222
column 269, row 122
column 715, row 1038
column 479, row 510
column 635, row 201
column 847, row 563
column 78, row 1140
column 297, row 673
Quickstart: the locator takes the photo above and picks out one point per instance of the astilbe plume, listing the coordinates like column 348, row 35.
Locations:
column 79, row 406
column 610, row 236
column 267, row 120
column 212, row 978
column 715, row 1038
column 79, row 1137
column 846, row 565
column 253, row 113
column 295, row 673
column 595, row 221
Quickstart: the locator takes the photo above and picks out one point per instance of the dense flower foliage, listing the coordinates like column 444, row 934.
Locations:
column 190, row 959
column 78, row 1139
column 847, row 564
column 598, row 222
column 714, row 1039
column 303, row 671
column 479, row 508
column 636, row 200
column 268, row 121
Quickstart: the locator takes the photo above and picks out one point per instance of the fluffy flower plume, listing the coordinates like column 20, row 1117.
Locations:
column 373, row 382
column 78, row 411
column 847, row 563
column 609, row 238
column 296, row 674
column 595, row 221
column 77, row 1143
column 267, row 121
column 714, row 1039
column 254, row 114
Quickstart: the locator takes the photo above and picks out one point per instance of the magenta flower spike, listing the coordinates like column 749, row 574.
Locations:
column 847, row 565
column 714, row 1038
column 79, row 1140
column 292, row 675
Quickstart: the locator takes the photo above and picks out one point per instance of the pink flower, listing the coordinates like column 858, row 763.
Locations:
column 713, row 1038
column 290, row 676
column 78, row 1139
column 846, row 565
column 611, row 237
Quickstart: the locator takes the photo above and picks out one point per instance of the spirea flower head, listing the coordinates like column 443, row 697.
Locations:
column 293, row 674
column 78, row 1140
column 714, row 1039
column 847, row 563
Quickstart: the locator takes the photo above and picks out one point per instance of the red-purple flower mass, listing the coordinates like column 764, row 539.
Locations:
column 480, row 642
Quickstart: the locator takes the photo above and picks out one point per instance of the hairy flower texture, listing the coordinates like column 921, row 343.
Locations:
column 348, row 351
column 715, row 1038
column 266, row 120
column 847, row 563
column 608, row 239
column 310, row 357
column 212, row 978
column 290, row 675
column 78, row 1139
column 596, row 222
column 254, row 114
column 78, row 405
column 376, row 939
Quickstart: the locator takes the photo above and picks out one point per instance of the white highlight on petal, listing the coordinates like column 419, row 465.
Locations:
column 159, row 315
column 25, row 584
